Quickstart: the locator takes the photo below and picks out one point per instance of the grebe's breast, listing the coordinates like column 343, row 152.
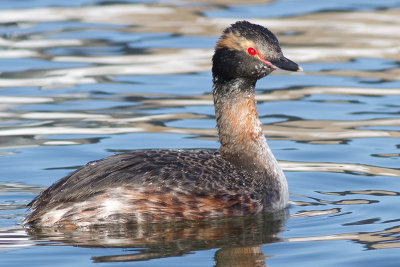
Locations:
column 151, row 185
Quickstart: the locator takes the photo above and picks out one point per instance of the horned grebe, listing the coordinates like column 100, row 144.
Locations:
column 242, row 177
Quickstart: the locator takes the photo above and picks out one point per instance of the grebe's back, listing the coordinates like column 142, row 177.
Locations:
column 152, row 185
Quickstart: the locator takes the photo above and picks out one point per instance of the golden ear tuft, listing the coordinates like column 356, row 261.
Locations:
column 234, row 41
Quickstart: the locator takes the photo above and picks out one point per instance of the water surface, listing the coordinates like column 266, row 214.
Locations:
column 81, row 80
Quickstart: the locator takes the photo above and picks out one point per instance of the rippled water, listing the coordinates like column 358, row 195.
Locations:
column 81, row 80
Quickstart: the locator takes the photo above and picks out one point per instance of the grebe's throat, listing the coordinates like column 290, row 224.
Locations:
column 240, row 134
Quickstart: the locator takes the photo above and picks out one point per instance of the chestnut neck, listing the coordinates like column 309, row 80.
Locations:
column 242, row 140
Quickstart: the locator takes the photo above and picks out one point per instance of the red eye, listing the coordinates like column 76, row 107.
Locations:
column 251, row 51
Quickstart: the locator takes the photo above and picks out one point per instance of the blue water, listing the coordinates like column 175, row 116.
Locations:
column 286, row 8
column 79, row 84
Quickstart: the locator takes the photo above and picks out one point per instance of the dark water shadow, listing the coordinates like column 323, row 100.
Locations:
column 238, row 239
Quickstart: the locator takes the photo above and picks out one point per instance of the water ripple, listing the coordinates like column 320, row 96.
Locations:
column 81, row 80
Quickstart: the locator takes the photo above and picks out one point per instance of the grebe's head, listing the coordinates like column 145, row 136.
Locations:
column 247, row 50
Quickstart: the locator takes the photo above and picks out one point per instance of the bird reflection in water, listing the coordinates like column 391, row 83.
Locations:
column 239, row 239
